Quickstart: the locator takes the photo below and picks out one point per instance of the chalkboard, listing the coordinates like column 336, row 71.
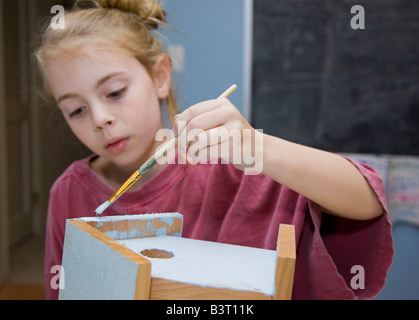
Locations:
column 319, row 82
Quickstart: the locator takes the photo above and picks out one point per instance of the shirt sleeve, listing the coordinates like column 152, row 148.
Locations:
column 358, row 253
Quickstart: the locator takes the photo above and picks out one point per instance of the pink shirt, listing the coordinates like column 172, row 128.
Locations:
column 220, row 203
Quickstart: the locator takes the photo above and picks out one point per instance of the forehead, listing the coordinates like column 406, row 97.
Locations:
column 76, row 67
column 85, row 47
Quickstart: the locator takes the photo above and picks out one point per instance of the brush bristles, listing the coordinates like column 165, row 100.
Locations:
column 102, row 207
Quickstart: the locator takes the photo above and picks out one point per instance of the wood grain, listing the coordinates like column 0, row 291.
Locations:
column 285, row 262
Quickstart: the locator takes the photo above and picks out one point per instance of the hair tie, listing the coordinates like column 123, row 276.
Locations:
column 86, row 4
column 150, row 19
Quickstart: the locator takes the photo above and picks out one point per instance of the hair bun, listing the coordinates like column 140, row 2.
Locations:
column 150, row 12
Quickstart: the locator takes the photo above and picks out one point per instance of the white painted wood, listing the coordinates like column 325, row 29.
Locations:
column 97, row 260
column 94, row 270
column 132, row 228
column 210, row 264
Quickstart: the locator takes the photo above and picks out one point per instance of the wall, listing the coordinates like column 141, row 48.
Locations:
column 402, row 281
column 321, row 83
column 216, row 37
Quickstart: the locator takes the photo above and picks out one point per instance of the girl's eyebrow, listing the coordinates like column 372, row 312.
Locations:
column 106, row 78
column 66, row 96
column 98, row 84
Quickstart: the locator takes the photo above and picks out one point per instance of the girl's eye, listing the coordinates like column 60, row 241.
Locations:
column 116, row 94
column 77, row 112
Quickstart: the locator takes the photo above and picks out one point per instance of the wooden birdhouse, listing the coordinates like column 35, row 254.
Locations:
column 145, row 257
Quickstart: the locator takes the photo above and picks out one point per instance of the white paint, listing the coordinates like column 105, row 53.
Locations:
column 148, row 216
column 167, row 218
column 94, row 270
column 99, row 210
column 205, row 263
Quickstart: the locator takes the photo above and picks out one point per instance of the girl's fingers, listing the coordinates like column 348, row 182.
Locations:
column 205, row 116
column 196, row 110
column 202, row 150
column 216, row 143
column 211, row 129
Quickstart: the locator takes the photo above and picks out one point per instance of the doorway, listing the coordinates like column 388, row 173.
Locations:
column 35, row 144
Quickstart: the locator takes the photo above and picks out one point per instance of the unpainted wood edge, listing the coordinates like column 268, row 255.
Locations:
column 285, row 262
column 143, row 280
column 126, row 224
column 163, row 289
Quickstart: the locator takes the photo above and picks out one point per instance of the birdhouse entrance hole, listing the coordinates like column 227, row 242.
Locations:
column 157, row 254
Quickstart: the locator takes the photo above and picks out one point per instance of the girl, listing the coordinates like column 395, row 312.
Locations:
column 109, row 76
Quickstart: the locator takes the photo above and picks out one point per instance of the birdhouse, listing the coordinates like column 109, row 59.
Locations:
column 145, row 257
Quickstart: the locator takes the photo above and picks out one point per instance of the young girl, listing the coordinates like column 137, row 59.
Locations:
column 109, row 76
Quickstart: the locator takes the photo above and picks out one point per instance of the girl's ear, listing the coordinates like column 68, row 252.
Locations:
column 162, row 76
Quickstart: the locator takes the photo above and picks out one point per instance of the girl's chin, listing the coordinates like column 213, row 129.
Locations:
column 127, row 163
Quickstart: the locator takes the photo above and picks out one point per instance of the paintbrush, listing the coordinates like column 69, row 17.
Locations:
column 149, row 164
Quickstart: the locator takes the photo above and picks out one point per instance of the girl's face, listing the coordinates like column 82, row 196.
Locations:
column 110, row 101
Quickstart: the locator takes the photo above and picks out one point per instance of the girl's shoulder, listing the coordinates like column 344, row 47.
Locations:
column 79, row 174
column 77, row 168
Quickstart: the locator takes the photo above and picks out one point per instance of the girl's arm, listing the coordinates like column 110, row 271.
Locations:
column 326, row 178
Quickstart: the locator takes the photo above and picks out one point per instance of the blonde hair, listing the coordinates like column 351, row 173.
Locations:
column 129, row 24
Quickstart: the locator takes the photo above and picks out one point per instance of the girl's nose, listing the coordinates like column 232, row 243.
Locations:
column 102, row 118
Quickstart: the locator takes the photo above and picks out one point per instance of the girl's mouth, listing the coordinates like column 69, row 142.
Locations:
column 116, row 146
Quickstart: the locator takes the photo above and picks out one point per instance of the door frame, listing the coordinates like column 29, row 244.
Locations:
column 4, row 212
